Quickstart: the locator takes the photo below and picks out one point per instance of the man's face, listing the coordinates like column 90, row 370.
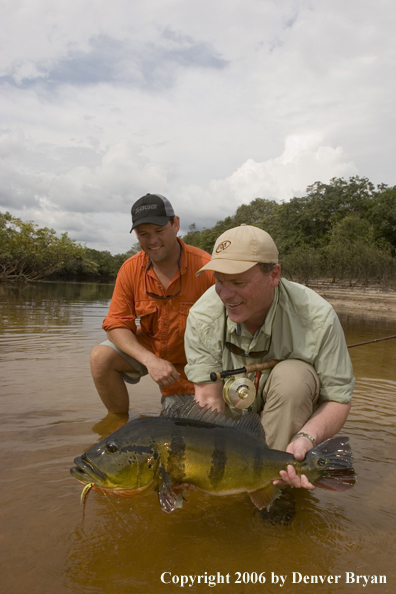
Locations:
column 247, row 296
column 159, row 243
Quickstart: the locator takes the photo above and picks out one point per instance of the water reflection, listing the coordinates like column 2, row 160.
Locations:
column 51, row 413
column 42, row 307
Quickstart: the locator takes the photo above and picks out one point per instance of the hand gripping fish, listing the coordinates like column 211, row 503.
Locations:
column 195, row 445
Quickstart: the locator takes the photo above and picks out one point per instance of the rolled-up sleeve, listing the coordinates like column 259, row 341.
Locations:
column 333, row 364
column 203, row 340
column 201, row 360
column 122, row 306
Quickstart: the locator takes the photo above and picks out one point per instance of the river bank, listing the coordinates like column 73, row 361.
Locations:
column 369, row 301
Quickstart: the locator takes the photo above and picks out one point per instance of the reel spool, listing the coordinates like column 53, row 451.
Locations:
column 239, row 392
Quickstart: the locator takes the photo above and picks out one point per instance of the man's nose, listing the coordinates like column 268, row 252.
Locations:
column 152, row 240
column 226, row 292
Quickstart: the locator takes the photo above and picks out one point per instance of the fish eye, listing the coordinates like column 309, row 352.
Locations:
column 112, row 447
column 321, row 462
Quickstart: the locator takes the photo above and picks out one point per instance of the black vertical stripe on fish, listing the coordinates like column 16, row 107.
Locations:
column 219, row 460
column 257, row 463
column 176, row 462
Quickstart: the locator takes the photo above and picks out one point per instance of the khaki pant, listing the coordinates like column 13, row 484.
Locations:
column 290, row 397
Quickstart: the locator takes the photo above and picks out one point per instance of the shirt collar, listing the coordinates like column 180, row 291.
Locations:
column 183, row 256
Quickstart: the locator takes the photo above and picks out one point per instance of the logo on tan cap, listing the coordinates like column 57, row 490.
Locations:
column 223, row 246
column 239, row 249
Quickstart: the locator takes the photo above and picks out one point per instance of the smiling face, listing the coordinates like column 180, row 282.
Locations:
column 159, row 242
column 248, row 296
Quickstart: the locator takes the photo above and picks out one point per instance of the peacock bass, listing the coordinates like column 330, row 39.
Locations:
column 202, row 447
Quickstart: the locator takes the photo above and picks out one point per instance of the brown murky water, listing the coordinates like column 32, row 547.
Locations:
column 50, row 413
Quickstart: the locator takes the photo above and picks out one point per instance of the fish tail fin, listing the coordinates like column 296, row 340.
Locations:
column 335, row 461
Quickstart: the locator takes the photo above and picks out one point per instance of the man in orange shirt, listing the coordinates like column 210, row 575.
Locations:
column 159, row 286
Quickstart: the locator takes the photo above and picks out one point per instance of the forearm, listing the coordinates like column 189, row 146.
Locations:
column 326, row 421
column 127, row 342
column 161, row 371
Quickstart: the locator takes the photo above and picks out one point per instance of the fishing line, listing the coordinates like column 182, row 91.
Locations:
column 115, row 509
column 84, row 497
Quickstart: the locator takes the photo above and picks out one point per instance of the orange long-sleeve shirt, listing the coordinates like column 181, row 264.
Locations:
column 162, row 321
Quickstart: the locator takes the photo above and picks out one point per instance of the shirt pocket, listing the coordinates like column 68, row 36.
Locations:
column 147, row 312
column 184, row 308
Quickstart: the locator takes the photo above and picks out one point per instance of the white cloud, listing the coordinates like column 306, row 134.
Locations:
column 260, row 99
column 304, row 159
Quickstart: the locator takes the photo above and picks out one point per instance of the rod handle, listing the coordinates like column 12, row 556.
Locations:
column 218, row 375
column 260, row 366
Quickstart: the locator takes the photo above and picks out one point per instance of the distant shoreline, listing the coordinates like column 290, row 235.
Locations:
column 370, row 301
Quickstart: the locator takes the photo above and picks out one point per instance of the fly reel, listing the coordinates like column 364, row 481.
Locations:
column 239, row 392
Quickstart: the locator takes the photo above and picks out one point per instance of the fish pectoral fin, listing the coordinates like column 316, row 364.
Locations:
column 168, row 500
column 263, row 497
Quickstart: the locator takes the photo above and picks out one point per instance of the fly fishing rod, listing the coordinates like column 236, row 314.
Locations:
column 370, row 341
column 240, row 392
column 216, row 376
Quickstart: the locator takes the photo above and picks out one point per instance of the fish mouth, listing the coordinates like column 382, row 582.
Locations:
column 85, row 472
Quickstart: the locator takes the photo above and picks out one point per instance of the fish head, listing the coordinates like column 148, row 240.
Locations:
column 118, row 465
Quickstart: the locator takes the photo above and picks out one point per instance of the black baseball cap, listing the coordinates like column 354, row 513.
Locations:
column 151, row 208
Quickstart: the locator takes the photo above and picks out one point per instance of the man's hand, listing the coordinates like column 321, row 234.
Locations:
column 325, row 422
column 210, row 395
column 162, row 372
column 299, row 447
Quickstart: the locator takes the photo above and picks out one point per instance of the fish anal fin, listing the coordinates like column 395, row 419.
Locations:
column 168, row 500
column 263, row 497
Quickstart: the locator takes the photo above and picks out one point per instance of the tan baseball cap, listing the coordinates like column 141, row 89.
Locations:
column 241, row 248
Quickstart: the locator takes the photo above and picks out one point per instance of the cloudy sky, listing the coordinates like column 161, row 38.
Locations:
column 210, row 102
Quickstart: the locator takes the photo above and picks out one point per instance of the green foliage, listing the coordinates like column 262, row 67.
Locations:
column 256, row 213
column 302, row 263
column 28, row 252
column 343, row 230
column 383, row 216
column 353, row 254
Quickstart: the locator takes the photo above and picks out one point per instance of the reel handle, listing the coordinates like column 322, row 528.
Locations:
column 218, row 375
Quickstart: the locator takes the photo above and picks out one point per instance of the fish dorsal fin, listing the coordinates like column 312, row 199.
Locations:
column 251, row 423
column 191, row 410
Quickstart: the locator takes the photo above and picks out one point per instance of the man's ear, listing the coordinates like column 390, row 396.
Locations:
column 176, row 224
column 275, row 275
